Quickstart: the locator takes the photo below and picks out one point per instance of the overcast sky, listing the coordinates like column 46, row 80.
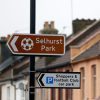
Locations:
column 15, row 14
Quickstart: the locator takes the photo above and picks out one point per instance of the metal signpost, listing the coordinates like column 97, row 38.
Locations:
column 32, row 58
column 59, row 80
column 25, row 44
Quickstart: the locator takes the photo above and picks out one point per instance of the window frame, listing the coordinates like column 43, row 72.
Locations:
column 8, row 93
column 93, row 81
column 82, row 70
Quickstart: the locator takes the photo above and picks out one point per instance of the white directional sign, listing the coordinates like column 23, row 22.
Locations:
column 59, row 80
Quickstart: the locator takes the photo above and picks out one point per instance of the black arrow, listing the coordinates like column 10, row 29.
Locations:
column 40, row 79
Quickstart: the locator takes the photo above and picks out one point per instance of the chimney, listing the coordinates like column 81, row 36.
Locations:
column 46, row 25
column 52, row 25
column 3, row 38
column 8, row 37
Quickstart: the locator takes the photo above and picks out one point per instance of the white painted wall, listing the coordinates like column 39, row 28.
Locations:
column 4, row 92
column 18, row 94
column 15, row 93
column 19, row 91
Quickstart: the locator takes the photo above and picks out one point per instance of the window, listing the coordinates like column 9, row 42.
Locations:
column 26, row 92
column 82, row 83
column 8, row 93
column 93, row 81
column 21, row 87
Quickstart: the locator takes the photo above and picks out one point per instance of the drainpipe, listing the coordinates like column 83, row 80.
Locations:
column 72, row 89
column 71, row 65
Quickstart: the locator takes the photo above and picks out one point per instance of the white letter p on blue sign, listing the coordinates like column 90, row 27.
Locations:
column 49, row 80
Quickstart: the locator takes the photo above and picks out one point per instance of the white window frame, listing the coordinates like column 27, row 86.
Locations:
column 8, row 93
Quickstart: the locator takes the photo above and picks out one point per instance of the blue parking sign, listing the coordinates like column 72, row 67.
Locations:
column 49, row 80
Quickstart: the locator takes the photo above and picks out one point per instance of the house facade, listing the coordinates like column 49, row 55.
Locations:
column 14, row 76
column 14, row 86
column 88, row 62
column 82, row 55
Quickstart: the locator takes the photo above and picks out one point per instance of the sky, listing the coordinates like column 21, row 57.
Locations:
column 15, row 14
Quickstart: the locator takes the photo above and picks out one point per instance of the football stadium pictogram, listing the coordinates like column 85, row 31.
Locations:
column 27, row 44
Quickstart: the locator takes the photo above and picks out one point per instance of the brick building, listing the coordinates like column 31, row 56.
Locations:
column 82, row 55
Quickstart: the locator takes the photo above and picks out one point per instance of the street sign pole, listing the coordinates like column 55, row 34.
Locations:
column 32, row 58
